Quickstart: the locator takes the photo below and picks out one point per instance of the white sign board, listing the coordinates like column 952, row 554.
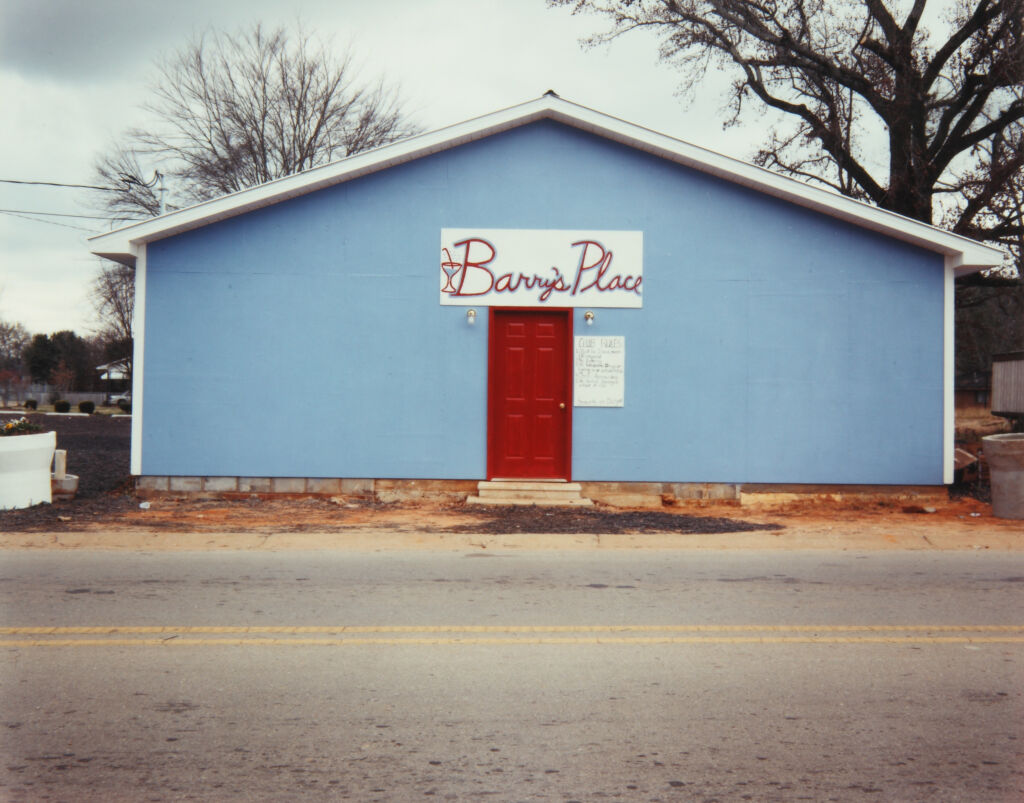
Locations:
column 599, row 372
column 541, row 268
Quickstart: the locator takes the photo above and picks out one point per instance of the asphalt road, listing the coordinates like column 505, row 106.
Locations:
column 643, row 676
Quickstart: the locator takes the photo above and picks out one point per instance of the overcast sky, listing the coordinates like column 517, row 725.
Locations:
column 73, row 75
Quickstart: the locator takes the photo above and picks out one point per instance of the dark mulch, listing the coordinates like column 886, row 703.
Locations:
column 98, row 449
column 61, row 516
column 596, row 520
column 98, row 452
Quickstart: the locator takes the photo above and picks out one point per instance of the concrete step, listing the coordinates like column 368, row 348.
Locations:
column 529, row 492
column 528, row 489
column 524, row 486
column 527, row 496
column 495, row 499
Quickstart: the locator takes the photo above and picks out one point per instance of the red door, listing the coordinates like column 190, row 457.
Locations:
column 530, row 394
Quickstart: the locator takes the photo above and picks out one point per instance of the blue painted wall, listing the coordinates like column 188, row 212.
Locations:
column 775, row 344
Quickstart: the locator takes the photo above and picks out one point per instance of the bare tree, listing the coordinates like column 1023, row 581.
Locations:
column 991, row 194
column 113, row 296
column 13, row 339
column 131, row 198
column 941, row 101
column 989, row 320
column 234, row 111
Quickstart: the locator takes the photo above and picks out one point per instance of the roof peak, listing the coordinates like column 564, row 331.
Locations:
column 965, row 255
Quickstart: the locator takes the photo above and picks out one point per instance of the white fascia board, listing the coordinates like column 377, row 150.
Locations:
column 949, row 372
column 121, row 245
column 968, row 255
column 138, row 363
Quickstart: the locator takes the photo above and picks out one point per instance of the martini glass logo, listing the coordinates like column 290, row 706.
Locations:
column 451, row 268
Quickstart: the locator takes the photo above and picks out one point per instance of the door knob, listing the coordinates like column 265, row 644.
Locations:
column 561, row 405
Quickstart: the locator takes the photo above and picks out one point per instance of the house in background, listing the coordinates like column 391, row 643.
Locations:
column 543, row 292
column 116, row 379
column 116, row 371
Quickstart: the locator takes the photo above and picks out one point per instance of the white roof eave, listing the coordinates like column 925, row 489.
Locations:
column 966, row 255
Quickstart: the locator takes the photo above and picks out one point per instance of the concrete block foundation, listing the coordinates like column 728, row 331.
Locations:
column 220, row 484
column 146, row 484
column 288, row 485
column 254, row 485
column 613, row 494
column 185, row 484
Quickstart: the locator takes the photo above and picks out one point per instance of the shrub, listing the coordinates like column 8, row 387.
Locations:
column 31, row 404
column 62, row 406
column 87, row 407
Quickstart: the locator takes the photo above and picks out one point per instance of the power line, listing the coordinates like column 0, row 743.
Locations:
column 59, row 184
column 63, row 214
column 50, row 222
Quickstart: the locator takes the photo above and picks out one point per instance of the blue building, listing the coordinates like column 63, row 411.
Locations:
column 545, row 292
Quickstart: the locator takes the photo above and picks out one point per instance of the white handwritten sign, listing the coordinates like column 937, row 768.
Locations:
column 599, row 371
column 541, row 268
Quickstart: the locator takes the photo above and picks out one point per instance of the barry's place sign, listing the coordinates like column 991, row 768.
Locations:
column 541, row 268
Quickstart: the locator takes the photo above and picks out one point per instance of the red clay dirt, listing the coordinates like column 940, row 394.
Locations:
column 98, row 450
column 964, row 524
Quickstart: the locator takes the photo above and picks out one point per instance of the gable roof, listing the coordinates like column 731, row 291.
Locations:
column 963, row 254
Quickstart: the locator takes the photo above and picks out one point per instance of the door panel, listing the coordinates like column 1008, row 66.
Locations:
column 530, row 403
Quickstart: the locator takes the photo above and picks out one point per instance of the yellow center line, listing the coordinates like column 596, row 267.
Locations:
column 373, row 635
column 304, row 629
column 489, row 641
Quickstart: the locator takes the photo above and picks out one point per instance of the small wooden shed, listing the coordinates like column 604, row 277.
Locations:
column 1008, row 385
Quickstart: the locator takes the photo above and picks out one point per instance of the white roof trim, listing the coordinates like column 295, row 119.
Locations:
column 966, row 255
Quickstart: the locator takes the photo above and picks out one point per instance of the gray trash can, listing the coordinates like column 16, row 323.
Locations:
column 1005, row 456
